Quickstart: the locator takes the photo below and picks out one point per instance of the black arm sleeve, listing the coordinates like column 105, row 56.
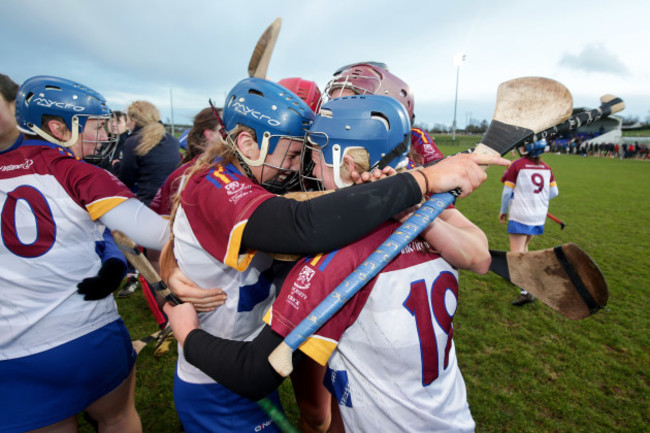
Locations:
column 240, row 366
column 331, row 221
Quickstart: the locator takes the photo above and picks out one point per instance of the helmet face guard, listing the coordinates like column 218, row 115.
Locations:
column 104, row 147
column 377, row 124
column 285, row 179
column 369, row 78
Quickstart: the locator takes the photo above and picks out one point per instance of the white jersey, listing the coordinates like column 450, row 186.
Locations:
column 531, row 183
column 207, row 236
column 390, row 354
column 50, row 203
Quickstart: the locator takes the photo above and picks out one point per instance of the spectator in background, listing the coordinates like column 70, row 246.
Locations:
column 204, row 132
column 150, row 154
column 119, row 129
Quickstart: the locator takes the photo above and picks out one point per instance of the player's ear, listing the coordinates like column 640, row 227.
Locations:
column 348, row 165
column 248, row 146
column 58, row 129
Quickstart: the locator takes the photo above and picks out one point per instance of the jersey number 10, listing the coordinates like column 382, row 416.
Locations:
column 45, row 228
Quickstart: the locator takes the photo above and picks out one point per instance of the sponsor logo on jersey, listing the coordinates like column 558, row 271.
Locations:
column 236, row 191
column 43, row 102
column 304, row 278
column 303, row 282
column 234, row 187
column 415, row 246
column 24, row 166
column 246, row 111
column 264, row 425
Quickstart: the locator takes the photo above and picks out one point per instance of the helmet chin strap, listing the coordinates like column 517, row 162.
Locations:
column 73, row 139
column 336, row 166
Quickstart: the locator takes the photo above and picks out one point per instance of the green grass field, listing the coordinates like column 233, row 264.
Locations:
column 527, row 369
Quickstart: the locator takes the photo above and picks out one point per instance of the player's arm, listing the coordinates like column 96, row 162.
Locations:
column 553, row 191
column 137, row 221
column 240, row 366
column 459, row 241
column 506, row 196
column 328, row 222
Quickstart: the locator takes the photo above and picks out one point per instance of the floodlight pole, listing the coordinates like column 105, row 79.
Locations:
column 458, row 60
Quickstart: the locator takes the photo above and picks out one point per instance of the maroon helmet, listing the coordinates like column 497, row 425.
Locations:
column 370, row 77
column 307, row 90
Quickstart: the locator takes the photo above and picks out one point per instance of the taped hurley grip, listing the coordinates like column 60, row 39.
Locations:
column 501, row 137
column 499, row 264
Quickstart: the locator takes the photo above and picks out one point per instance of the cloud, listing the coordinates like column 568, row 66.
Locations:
column 594, row 58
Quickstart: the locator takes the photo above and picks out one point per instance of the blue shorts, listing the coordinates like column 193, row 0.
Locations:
column 213, row 408
column 48, row 387
column 515, row 227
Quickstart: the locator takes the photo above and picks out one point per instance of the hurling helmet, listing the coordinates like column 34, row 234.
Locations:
column 307, row 90
column 371, row 78
column 73, row 102
column 536, row 148
column 376, row 123
column 270, row 110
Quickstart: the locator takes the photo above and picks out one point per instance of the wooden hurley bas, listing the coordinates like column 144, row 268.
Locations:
column 565, row 278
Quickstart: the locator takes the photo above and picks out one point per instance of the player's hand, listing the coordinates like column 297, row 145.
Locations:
column 462, row 171
column 189, row 292
column 182, row 319
column 107, row 280
column 502, row 218
column 376, row 174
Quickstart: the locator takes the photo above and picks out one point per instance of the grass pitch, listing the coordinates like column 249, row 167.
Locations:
column 527, row 369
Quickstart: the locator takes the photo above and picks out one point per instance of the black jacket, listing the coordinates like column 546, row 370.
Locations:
column 145, row 174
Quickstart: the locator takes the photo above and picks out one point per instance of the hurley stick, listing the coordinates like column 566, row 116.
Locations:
column 142, row 264
column 261, row 56
column 565, row 278
column 556, row 219
column 524, row 106
column 610, row 104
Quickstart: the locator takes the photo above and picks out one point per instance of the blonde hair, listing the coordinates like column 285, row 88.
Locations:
column 146, row 116
column 361, row 159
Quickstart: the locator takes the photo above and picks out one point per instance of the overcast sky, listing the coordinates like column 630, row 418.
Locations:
column 199, row 49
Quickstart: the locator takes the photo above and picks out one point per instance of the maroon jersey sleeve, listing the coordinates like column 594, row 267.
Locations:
column 218, row 203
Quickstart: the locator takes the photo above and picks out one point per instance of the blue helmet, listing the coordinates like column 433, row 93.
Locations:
column 536, row 148
column 45, row 95
column 377, row 123
column 270, row 110
column 182, row 139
